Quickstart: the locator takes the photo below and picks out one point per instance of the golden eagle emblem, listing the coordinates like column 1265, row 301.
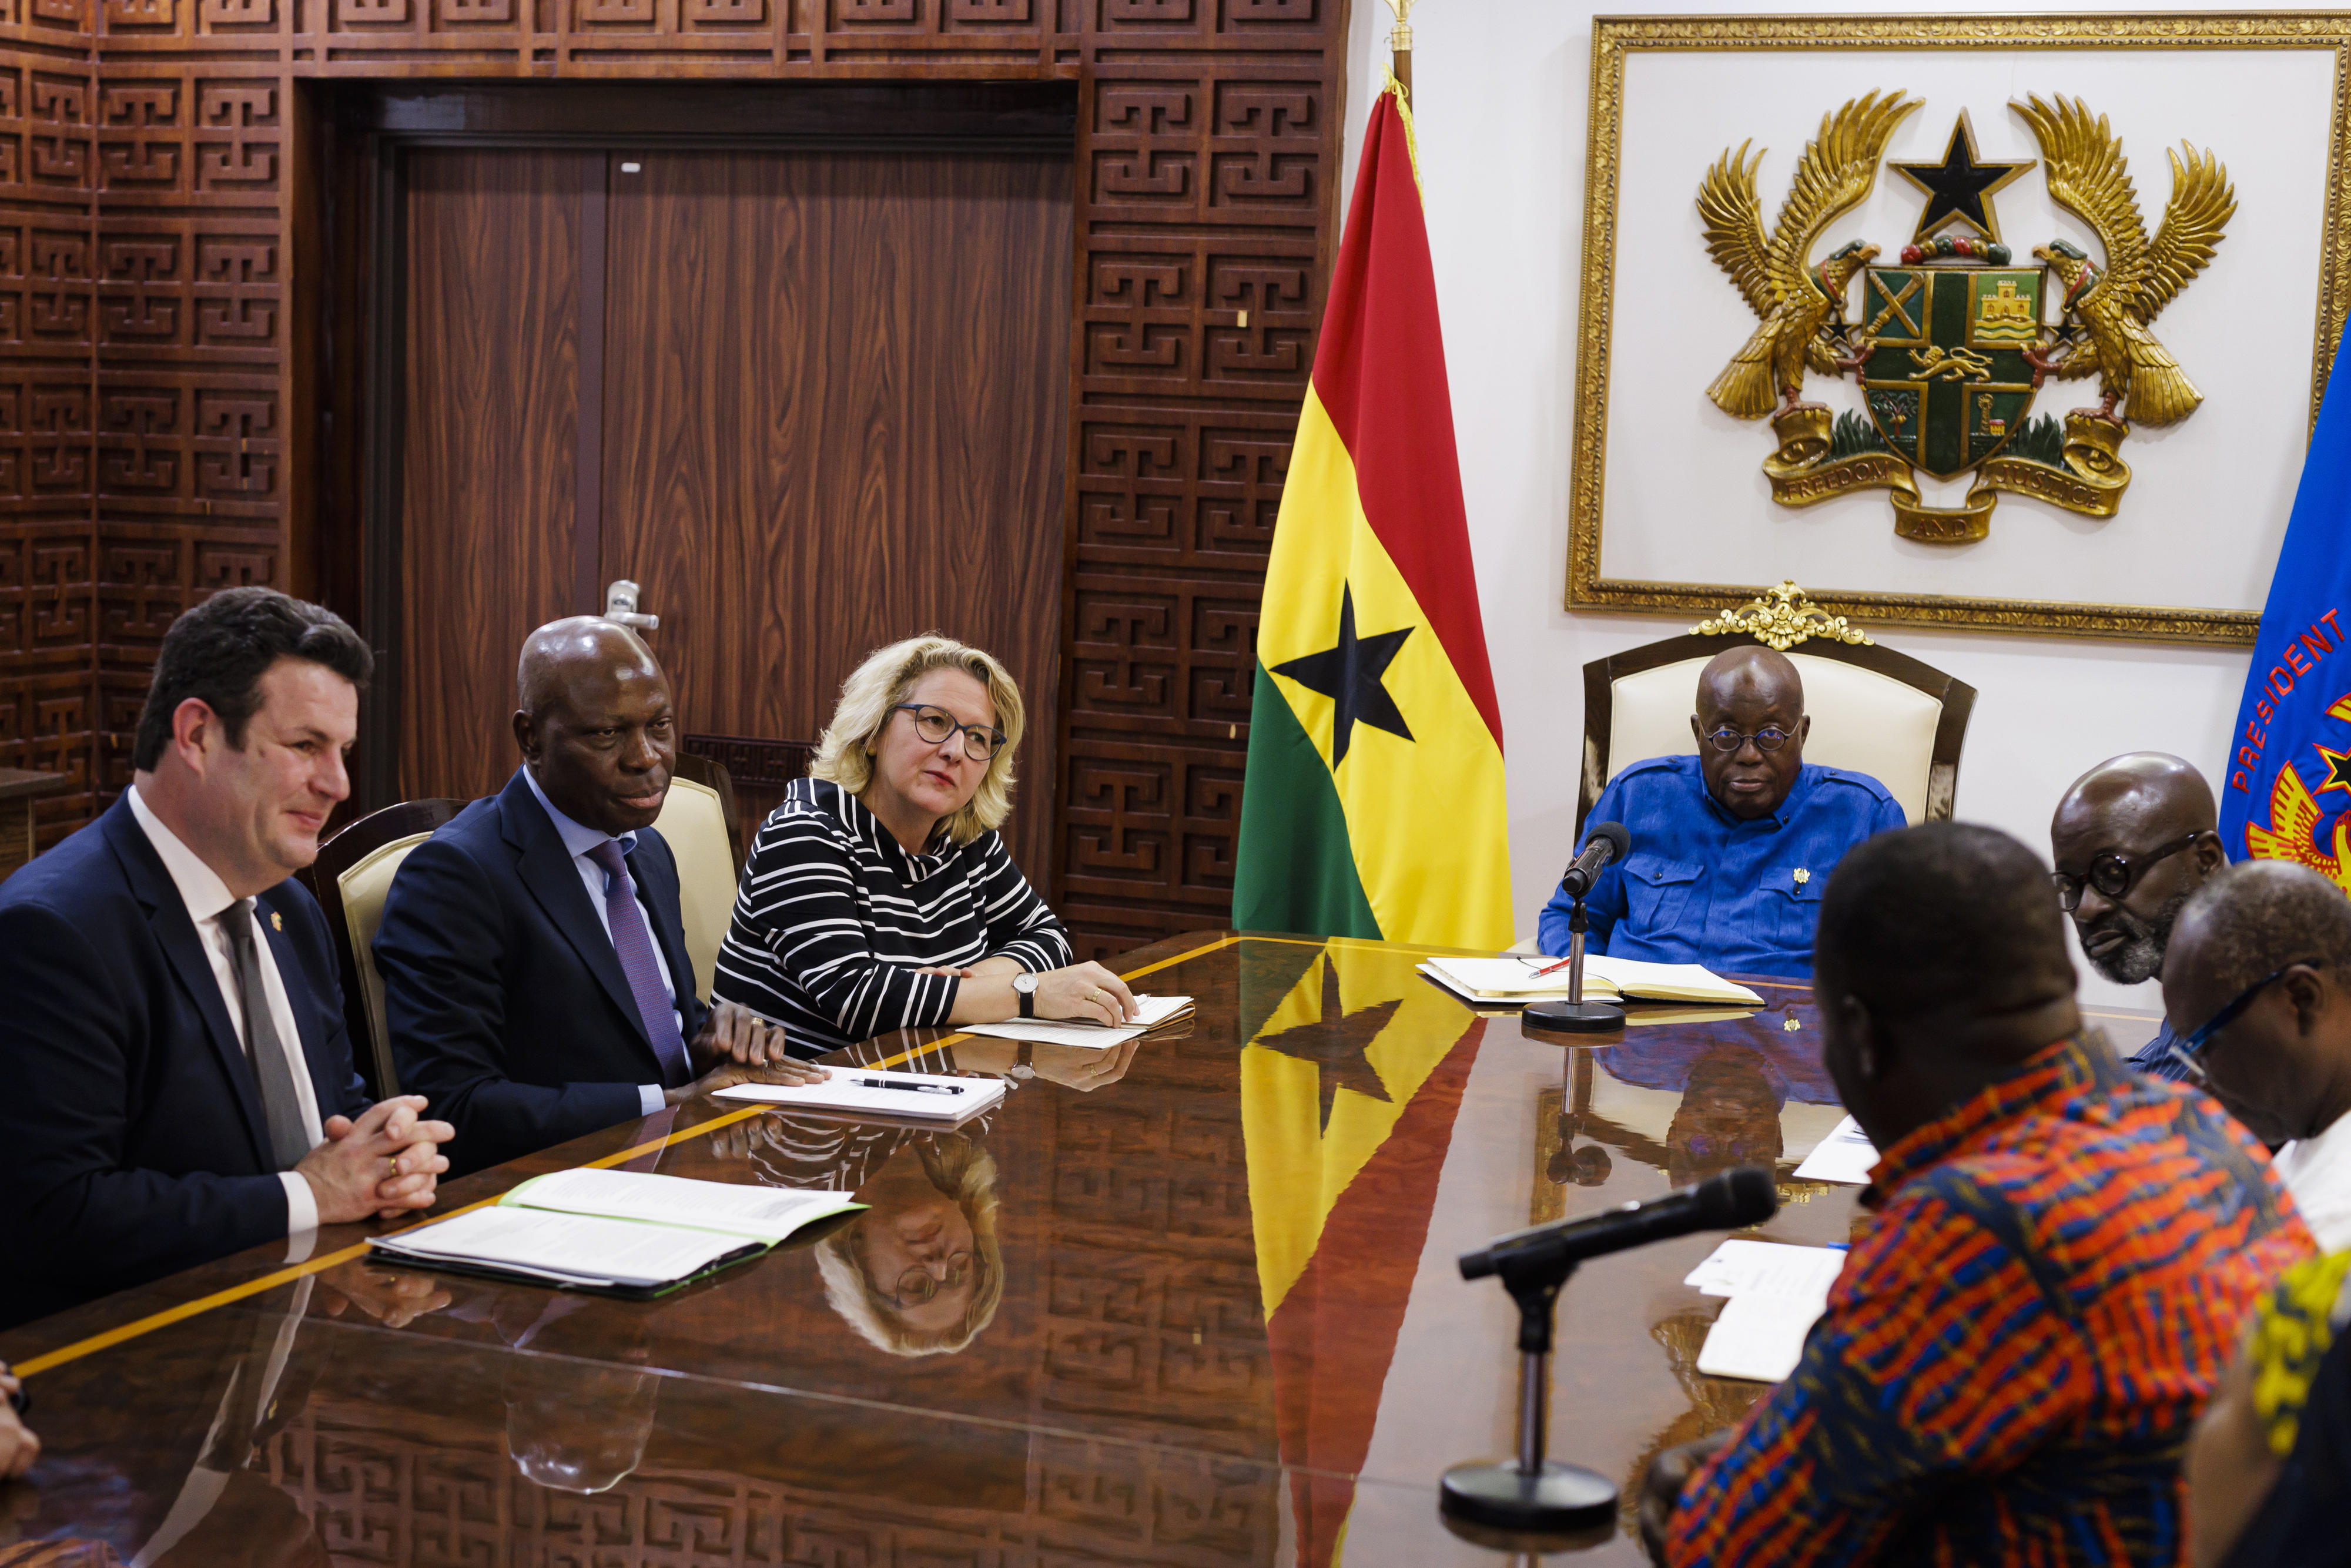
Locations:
column 1799, row 305
column 1952, row 344
column 2114, row 307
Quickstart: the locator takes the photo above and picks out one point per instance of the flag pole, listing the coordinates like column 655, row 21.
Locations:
column 1400, row 46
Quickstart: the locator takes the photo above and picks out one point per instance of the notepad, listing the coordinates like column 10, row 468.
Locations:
column 620, row 1232
column 1847, row 1155
column 1776, row 1293
column 874, row 1090
column 1515, row 979
column 1153, row 1012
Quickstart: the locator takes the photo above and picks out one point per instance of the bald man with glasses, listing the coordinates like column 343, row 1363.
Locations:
column 2132, row 838
column 1732, row 847
column 2259, row 973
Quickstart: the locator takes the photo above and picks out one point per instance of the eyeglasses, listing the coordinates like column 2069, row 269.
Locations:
column 1771, row 737
column 2187, row 1051
column 2113, row 875
column 918, row 1284
column 935, row 723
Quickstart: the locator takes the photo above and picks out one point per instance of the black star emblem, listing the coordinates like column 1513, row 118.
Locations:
column 1335, row 1044
column 1960, row 187
column 1349, row 674
column 2338, row 771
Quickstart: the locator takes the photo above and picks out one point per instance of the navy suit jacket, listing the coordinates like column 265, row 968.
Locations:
column 508, row 1007
column 133, row 1140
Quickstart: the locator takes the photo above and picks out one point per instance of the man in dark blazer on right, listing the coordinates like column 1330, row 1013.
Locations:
column 535, row 980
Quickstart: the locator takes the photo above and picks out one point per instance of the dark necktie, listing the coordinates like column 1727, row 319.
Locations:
column 634, row 944
column 281, row 1107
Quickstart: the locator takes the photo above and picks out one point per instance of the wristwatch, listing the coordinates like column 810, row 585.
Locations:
column 1023, row 1068
column 1024, row 985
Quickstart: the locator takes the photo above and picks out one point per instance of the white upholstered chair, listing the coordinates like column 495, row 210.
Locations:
column 701, row 834
column 1874, row 711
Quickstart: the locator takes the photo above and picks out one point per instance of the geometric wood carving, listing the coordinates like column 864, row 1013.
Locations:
column 150, row 450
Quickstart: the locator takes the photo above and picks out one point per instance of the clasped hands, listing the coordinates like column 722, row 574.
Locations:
column 385, row 1164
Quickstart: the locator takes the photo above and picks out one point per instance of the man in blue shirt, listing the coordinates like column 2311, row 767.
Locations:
column 1733, row 847
column 2131, row 839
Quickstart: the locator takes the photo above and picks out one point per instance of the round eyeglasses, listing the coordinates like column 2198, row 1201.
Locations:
column 980, row 741
column 1771, row 737
column 918, row 1284
column 2113, row 875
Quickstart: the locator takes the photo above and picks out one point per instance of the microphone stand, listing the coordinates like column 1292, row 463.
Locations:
column 1575, row 1016
column 1530, row 1493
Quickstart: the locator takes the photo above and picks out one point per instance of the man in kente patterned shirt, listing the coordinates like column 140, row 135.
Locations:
column 2051, row 1277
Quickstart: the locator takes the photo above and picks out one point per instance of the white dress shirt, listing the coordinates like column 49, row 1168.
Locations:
column 2317, row 1170
column 201, row 890
column 578, row 839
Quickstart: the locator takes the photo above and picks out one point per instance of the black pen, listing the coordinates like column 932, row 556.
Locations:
column 910, row 1088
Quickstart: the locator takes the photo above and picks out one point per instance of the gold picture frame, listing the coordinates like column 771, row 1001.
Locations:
column 1615, row 38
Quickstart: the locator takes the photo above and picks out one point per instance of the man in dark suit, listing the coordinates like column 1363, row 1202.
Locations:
column 175, row 1079
column 535, row 973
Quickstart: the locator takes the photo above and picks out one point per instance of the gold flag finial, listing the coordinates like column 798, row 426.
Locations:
column 1400, row 45
column 1781, row 618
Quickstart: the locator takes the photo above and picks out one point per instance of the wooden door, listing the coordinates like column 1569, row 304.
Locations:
column 810, row 401
column 490, row 424
column 835, row 399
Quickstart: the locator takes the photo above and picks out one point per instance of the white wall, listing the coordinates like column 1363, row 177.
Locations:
column 1500, row 88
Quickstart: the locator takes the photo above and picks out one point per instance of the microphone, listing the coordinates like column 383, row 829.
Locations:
column 1731, row 1201
column 1603, row 843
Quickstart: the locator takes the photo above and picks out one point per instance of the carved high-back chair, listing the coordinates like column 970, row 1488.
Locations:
column 1874, row 711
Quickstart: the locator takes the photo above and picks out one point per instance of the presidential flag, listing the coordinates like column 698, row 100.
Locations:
column 2291, row 753
column 1373, row 803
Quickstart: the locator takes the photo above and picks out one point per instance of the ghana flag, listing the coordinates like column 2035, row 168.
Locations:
column 1373, row 800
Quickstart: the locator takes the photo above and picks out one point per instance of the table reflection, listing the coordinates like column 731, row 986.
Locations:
column 1187, row 1301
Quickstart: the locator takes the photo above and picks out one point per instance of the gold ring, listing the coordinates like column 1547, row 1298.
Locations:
column 390, row 1166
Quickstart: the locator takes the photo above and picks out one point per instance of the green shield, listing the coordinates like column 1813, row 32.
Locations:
column 1946, row 377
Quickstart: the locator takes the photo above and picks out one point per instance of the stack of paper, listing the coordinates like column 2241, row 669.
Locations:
column 1846, row 1155
column 1154, row 1012
column 623, row 1232
column 923, row 1096
column 1514, row 978
column 1777, row 1292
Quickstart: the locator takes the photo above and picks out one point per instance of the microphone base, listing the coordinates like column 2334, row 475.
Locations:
column 1498, row 1495
column 1573, row 1018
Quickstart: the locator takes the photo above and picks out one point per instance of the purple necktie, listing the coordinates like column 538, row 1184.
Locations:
column 634, row 944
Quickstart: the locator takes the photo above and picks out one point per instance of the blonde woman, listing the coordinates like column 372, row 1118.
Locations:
column 879, row 895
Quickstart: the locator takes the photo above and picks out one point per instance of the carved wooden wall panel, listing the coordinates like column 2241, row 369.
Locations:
column 48, row 363
column 1205, row 213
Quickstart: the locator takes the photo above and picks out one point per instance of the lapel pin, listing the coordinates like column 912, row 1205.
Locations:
column 277, row 921
column 1802, row 876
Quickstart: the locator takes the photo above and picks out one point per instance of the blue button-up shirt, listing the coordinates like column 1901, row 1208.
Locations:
column 2156, row 1059
column 1701, row 886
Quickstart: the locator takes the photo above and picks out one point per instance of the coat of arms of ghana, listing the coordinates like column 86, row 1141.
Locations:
column 1952, row 344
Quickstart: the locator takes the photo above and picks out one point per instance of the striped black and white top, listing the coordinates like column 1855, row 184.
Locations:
column 834, row 917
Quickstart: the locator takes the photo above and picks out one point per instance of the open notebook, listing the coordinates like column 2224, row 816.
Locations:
column 620, row 1232
column 1156, row 1012
column 1515, row 978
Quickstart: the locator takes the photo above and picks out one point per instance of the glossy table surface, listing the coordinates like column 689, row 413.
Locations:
column 1213, row 1316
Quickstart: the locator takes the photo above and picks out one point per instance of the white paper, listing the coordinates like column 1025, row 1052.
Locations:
column 1739, row 1268
column 1759, row 1337
column 1151, row 1012
column 1670, row 982
column 769, row 1214
column 928, row 1096
column 575, row 1247
column 1846, row 1155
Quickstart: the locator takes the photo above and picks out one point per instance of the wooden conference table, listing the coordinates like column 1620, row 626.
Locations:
column 1230, row 1328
